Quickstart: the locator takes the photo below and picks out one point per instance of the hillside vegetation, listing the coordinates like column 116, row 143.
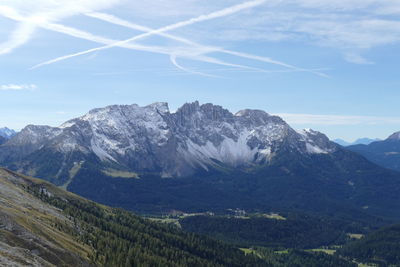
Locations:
column 41, row 225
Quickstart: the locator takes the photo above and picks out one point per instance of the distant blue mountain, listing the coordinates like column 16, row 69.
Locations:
column 385, row 153
column 7, row 133
column 360, row 141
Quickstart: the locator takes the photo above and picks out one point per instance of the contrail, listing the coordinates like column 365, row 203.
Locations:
column 12, row 14
column 201, row 49
column 205, row 49
column 154, row 49
column 117, row 21
column 176, row 64
column 218, row 14
column 272, row 61
column 18, row 37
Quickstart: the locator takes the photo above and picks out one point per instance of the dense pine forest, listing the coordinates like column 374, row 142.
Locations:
column 292, row 231
column 381, row 247
column 120, row 238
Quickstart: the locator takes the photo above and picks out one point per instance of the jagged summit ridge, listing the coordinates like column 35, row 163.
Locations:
column 152, row 139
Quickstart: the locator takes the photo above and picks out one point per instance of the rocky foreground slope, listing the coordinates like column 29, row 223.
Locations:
column 42, row 225
column 28, row 236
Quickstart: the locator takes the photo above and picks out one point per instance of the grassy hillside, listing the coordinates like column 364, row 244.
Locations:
column 28, row 231
column 42, row 225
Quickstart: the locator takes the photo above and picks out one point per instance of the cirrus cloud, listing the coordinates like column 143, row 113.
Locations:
column 18, row 87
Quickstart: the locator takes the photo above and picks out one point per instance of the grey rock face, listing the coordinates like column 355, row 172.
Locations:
column 152, row 139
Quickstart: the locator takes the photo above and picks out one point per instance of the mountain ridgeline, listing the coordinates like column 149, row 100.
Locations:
column 360, row 141
column 203, row 158
column 385, row 153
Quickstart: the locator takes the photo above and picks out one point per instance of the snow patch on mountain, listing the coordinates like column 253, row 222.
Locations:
column 232, row 152
column 316, row 142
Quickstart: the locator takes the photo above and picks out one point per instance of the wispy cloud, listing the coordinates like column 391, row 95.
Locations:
column 218, row 14
column 41, row 11
column 19, row 37
column 202, row 49
column 193, row 51
column 313, row 119
column 197, row 49
column 17, row 87
column 353, row 27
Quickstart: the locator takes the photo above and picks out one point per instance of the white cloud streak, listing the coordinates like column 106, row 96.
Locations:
column 176, row 64
column 86, row 35
column 195, row 52
column 218, row 14
column 313, row 119
column 352, row 26
column 17, row 87
column 203, row 49
column 182, row 52
column 43, row 11
column 19, row 37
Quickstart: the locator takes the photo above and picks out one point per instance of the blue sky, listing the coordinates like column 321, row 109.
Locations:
column 328, row 65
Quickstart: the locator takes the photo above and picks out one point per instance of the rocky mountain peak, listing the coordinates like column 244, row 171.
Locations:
column 7, row 133
column 395, row 136
column 161, row 107
column 317, row 142
column 258, row 117
column 248, row 113
column 189, row 108
column 215, row 112
column 33, row 134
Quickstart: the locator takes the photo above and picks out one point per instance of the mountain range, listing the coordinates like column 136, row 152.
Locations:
column 385, row 153
column 202, row 157
column 152, row 140
column 360, row 141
